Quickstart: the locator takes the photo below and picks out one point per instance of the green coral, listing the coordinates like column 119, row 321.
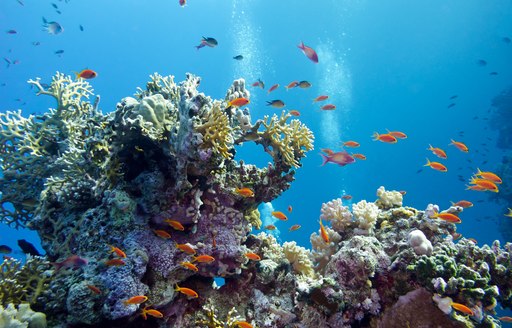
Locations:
column 253, row 216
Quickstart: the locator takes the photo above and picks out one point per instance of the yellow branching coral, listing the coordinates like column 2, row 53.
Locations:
column 216, row 131
column 210, row 319
column 288, row 141
column 254, row 219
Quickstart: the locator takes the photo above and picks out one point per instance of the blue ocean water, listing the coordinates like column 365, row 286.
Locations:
column 385, row 65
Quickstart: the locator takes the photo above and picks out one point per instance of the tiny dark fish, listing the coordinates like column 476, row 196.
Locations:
column 484, row 162
column 36, row 43
column 451, row 105
column 59, row 52
column 7, row 61
column 506, row 39
column 419, row 171
column 55, row 6
column 4, row 249
column 28, row 248
column 453, row 97
column 489, row 138
column 493, row 73
column 11, row 32
column 58, row 12
column 481, row 63
column 480, row 201
column 20, row 2
column 3, row 84
column 16, row 61
column 304, row 84
column 207, row 41
column 81, row 28
column 238, row 57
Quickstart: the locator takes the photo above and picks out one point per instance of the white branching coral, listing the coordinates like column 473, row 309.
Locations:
column 299, row 258
column 388, row 199
column 339, row 215
column 323, row 251
column 366, row 215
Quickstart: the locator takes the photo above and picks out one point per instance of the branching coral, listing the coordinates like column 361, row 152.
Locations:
column 216, row 132
column 210, row 319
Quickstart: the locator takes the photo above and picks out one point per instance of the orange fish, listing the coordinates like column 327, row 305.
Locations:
column 403, row 192
column 456, row 235
column 136, row 300
column 117, row 251
column 489, row 176
column 259, row 83
column 272, row 88
column 214, row 241
column 189, row 266
column 238, row 102
column 175, row 224
column 463, row 203
column 436, row 166
column 320, row 98
column 115, row 262
column 162, row 233
column 328, row 107
column 486, row 184
column 280, row 215
column 294, row 227
column 293, row 84
column 397, row 134
column 475, row 187
column 352, row 144
column 505, row 319
column 347, row 197
column 86, row 74
column 152, row 312
column 252, row 256
column 243, row 324
column 323, row 232
column 290, row 208
column 309, row 52
column 386, row 137
column 462, row 308
column 359, row 156
column 448, row 217
column 203, row 259
column 187, row 291
column 437, row 151
column 244, row 192
column 461, row 146
column 294, row 112
column 187, row 248
column 94, row 289
column 270, row 227
column 327, row 151
column 473, row 240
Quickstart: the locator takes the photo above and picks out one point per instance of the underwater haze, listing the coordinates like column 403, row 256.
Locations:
column 430, row 70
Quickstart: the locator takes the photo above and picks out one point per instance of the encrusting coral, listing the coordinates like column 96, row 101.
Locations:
column 157, row 178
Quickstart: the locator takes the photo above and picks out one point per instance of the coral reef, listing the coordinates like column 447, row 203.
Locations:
column 21, row 317
column 146, row 201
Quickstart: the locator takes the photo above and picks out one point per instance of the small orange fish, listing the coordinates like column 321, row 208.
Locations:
column 238, row 102
column 328, row 107
column 292, row 85
column 448, row 217
column 320, row 98
column 462, row 308
column 214, row 241
column 403, row 192
column 351, row 144
column 436, row 166
column 323, row 232
column 505, row 319
column 86, row 74
column 294, row 227
column 162, row 233
column 259, row 83
column 476, row 188
column 252, row 256
column 117, row 251
column 290, row 208
column 359, row 156
column 397, row 134
column 438, row 152
column 280, row 215
column 294, row 112
column 136, row 300
column 152, row 312
column 327, row 151
column 94, row 289
column 461, row 146
column 456, row 235
column 489, row 176
column 386, row 137
column 486, row 184
column 203, row 259
column 175, row 224
column 347, row 197
column 270, row 227
column 189, row 266
column 244, row 192
column 272, row 88
column 473, row 240
column 187, row 248
column 115, row 262
column 463, row 203
column 243, row 324
column 186, row 291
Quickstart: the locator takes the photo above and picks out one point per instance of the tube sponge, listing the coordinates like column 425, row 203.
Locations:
column 419, row 242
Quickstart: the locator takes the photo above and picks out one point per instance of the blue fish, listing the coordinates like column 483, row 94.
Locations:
column 53, row 28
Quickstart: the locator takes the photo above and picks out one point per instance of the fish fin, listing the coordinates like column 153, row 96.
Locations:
column 375, row 136
column 325, row 159
column 428, row 163
column 45, row 21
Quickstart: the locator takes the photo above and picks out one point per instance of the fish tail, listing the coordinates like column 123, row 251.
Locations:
column 428, row 163
column 45, row 21
column 430, row 147
column 325, row 159
column 301, row 45
column 478, row 171
column 375, row 136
